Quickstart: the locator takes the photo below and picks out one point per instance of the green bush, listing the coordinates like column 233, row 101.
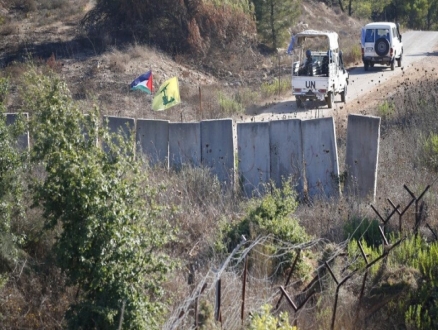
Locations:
column 4, row 88
column 355, row 254
column 417, row 318
column 408, row 274
column 363, row 229
column 246, row 97
column 386, row 109
column 112, row 238
column 430, row 151
column 264, row 320
column 270, row 216
column 229, row 105
column 275, row 87
column 420, row 308
column 13, row 163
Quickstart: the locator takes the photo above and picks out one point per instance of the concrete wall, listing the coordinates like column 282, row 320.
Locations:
column 363, row 135
column 305, row 150
column 253, row 156
column 23, row 140
column 184, row 144
column 152, row 139
column 124, row 126
column 217, row 148
column 286, row 152
column 320, row 157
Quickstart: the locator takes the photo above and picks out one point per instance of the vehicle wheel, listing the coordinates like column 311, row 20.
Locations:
column 299, row 102
column 329, row 99
column 366, row 65
column 392, row 65
column 344, row 95
column 381, row 46
column 399, row 60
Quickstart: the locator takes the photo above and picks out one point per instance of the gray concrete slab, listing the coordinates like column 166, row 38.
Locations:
column 320, row 157
column 22, row 140
column 152, row 139
column 253, row 157
column 184, row 144
column 122, row 126
column 286, row 152
column 217, row 149
column 361, row 160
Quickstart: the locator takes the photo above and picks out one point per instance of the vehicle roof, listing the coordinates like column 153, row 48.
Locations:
column 332, row 36
column 377, row 25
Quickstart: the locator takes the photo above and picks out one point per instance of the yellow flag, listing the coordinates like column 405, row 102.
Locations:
column 167, row 95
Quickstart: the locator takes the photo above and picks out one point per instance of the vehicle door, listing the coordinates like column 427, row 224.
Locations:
column 336, row 83
column 397, row 45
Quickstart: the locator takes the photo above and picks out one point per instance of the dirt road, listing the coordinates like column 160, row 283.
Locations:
column 366, row 89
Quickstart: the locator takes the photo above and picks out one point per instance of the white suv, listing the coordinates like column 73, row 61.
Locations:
column 382, row 44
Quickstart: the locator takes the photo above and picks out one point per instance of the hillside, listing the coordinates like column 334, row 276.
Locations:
column 100, row 72
column 93, row 236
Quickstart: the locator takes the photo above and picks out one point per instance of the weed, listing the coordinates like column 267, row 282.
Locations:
column 352, row 54
column 363, row 229
column 386, row 109
column 276, row 87
column 430, row 151
column 264, row 320
column 229, row 105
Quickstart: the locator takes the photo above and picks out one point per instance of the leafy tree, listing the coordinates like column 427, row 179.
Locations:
column 274, row 17
column 12, row 167
column 110, row 233
column 432, row 14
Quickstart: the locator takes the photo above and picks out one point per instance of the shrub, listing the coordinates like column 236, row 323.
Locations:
column 355, row 254
column 13, row 162
column 229, row 105
column 270, row 216
column 386, row 109
column 419, row 308
column 246, row 97
column 363, row 229
column 266, row 321
column 409, row 275
column 352, row 54
column 430, row 151
column 111, row 245
column 276, row 87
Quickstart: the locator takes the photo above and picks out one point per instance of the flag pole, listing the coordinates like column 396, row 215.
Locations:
column 144, row 110
column 200, row 102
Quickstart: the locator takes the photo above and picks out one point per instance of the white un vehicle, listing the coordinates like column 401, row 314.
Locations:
column 381, row 44
column 318, row 71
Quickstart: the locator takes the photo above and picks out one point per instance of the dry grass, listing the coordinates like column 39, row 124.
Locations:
column 198, row 206
column 9, row 28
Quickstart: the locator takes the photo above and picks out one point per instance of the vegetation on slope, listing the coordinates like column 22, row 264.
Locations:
column 91, row 241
